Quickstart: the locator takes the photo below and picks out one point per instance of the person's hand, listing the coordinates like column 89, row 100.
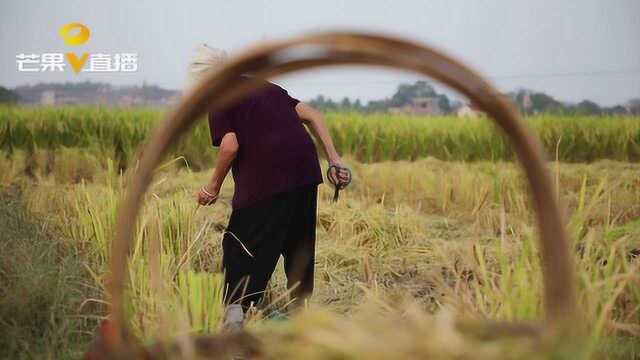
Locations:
column 340, row 176
column 207, row 195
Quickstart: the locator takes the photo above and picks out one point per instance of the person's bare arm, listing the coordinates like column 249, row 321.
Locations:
column 228, row 149
column 314, row 120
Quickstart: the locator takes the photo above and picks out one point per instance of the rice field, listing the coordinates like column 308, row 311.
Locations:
column 118, row 133
column 435, row 235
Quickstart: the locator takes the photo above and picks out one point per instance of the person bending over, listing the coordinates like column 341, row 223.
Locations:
column 276, row 171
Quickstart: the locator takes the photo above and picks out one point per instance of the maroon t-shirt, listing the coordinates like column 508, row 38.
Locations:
column 275, row 151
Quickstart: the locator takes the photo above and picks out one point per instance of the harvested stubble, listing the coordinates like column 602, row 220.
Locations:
column 459, row 240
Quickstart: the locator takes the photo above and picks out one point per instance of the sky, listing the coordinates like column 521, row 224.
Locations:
column 571, row 49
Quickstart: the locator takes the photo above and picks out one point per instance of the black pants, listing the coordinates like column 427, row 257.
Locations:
column 285, row 224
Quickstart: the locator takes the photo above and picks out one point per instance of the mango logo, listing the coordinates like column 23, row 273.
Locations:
column 75, row 34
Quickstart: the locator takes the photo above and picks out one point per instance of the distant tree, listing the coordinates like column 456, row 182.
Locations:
column 542, row 102
column 8, row 97
column 634, row 106
column 587, row 107
column 377, row 105
column 531, row 102
column 455, row 105
column 444, row 103
column 615, row 110
column 326, row 104
column 322, row 103
column 407, row 92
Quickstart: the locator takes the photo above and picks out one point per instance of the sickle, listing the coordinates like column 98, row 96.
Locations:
column 340, row 184
column 219, row 90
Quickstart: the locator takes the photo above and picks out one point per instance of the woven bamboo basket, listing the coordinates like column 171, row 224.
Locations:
column 268, row 60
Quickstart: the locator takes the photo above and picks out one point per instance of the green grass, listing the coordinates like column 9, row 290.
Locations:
column 117, row 134
column 44, row 283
